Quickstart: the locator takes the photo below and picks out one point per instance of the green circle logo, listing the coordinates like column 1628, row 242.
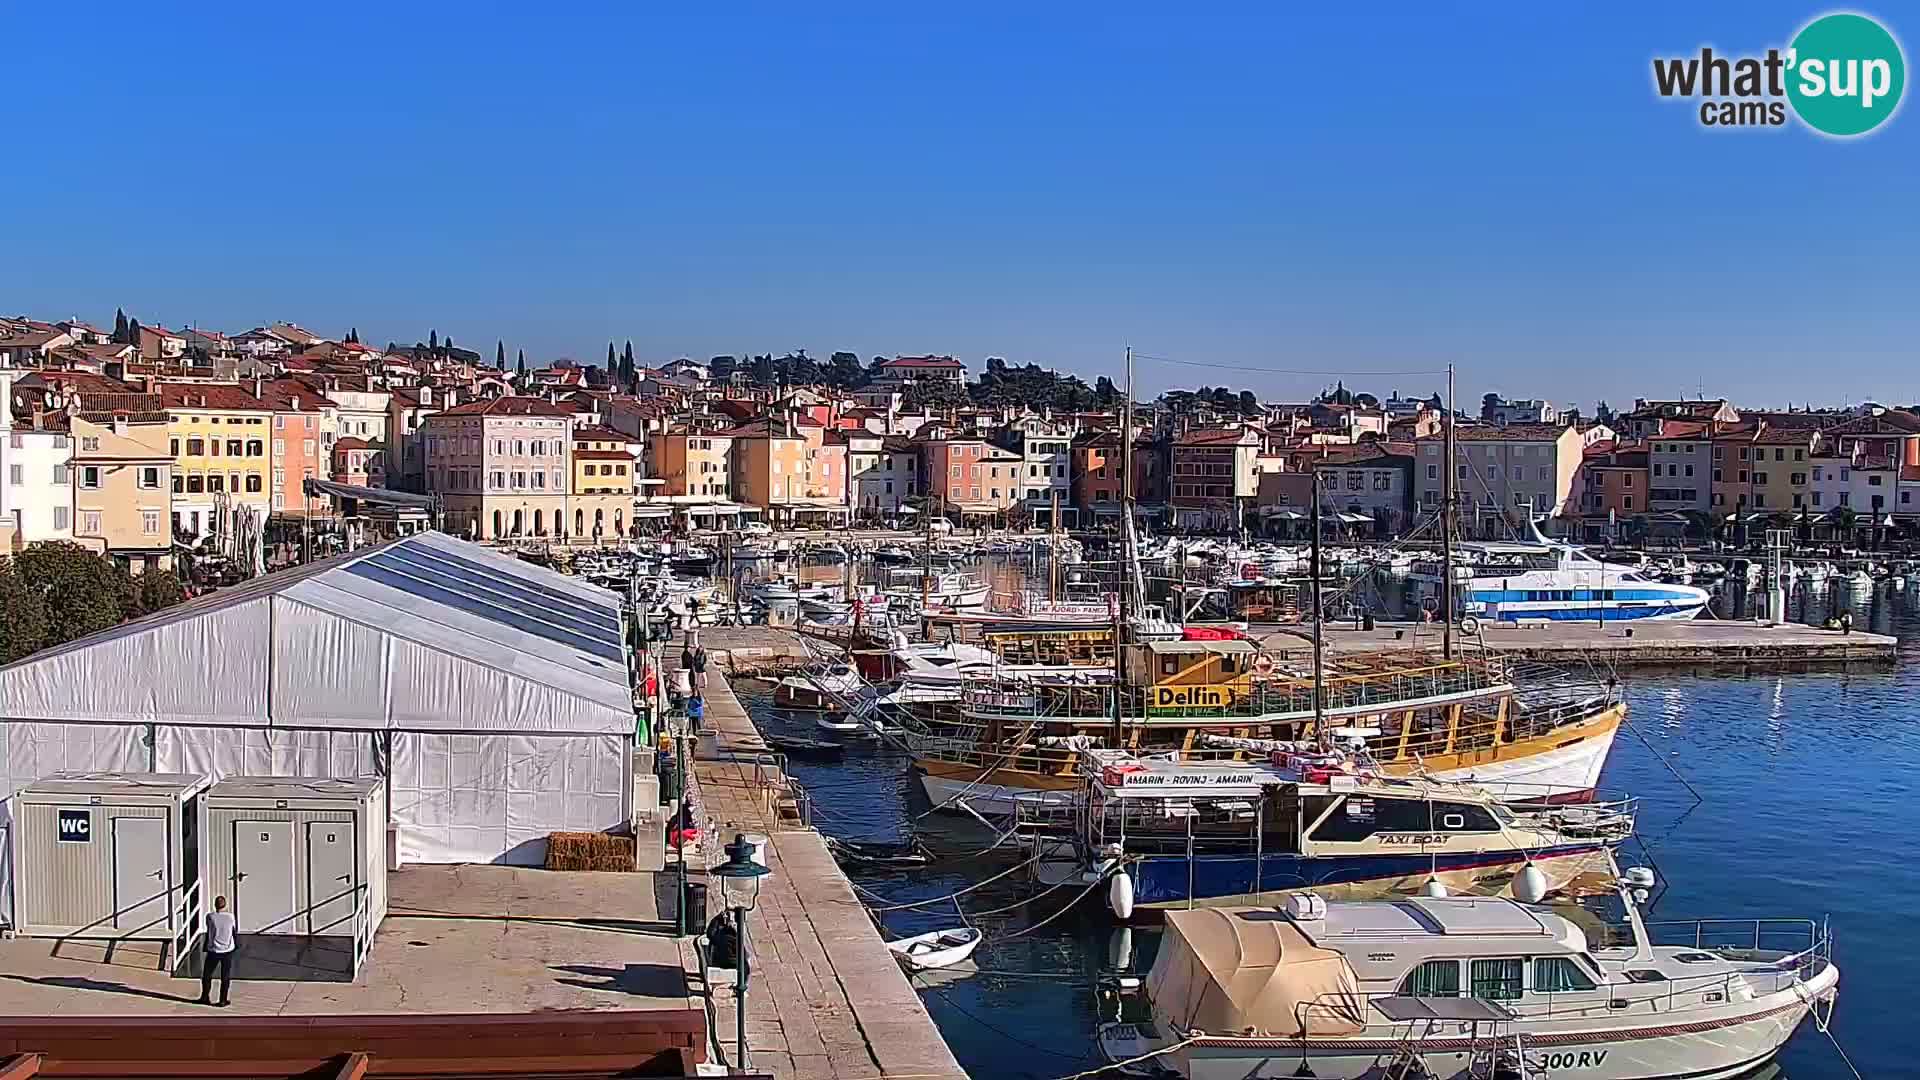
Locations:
column 1845, row 74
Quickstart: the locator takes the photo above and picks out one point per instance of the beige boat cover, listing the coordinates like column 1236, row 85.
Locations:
column 1235, row 971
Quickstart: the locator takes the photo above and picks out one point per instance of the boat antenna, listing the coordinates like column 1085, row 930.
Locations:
column 1319, row 625
column 1126, row 566
column 1447, row 524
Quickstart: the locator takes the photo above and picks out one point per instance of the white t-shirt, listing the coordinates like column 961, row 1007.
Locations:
column 220, row 927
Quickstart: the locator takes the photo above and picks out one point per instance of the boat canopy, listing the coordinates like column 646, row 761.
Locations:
column 1232, row 971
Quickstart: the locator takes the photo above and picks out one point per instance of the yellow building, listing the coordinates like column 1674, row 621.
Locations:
column 600, row 502
column 770, row 468
column 122, row 487
column 1762, row 469
column 694, row 463
column 219, row 437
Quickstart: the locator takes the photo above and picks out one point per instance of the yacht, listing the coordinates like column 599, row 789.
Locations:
column 1550, row 580
column 944, row 590
column 1449, row 986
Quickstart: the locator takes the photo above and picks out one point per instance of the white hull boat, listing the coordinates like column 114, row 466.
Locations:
column 941, row 948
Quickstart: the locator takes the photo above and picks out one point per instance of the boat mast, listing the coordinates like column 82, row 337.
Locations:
column 1125, row 568
column 1447, row 522
column 1319, row 627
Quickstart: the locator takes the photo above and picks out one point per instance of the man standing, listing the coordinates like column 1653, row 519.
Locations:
column 220, row 927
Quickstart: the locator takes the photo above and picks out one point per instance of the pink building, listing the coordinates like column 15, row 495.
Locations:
column 500, row 466
column 298, row 455
column 969, row 475
column 357, row 461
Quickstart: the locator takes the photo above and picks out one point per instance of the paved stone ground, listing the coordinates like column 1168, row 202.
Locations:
column 826, row 999
column 510, row 940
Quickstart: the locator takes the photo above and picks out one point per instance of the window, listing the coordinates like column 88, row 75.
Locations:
column 1760, row 500
column 1816, row 498
column 1779, row 453
column 1873, row 480
column 1433, row 472
column 62, row 475
column 1689, row 470
column 306, row 447
column 233, row 447
column 150, row 522
column 216, row 482
column 1626, row 502
column 89, row 477
column 1558, row 975
column 195, row 447
column 1759, row 478
column 1435, row 978
column 1519, row 498
column 1799, row 454
column 1498, row 980
column 60, row 518
column 1800, row 478
column 253, row 484
column 90, row 523
column 150, row 477
column 1846, row 498
column 196, row 484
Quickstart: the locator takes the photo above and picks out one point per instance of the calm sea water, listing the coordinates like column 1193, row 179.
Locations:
column 1805, row 809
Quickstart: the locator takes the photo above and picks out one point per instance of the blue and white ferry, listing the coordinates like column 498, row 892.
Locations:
column 1551, row 580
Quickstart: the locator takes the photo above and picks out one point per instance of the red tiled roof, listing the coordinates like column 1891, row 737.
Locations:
column 293, row 395
column 350, row 442
column 1891, row 422
column 600, row 433
column 922, row 362
column 208, row 396
column 509, row 406
column 1510, row 433
column 602, row 455
column 1214, row 437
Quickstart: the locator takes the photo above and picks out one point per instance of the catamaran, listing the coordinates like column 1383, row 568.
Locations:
column 1552, row 580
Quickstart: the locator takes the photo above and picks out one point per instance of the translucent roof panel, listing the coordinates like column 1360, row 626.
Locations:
column 490, row 606
column 490, row 578
column 504, row 591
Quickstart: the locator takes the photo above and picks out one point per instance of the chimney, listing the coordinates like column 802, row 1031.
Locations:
column 426, row 394
column 296, row 402
column 256, row 388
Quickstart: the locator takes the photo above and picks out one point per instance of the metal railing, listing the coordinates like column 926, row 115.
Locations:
column 1259, row 699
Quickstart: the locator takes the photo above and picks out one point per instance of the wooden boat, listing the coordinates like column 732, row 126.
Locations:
column 941, row 948
column 800, row 746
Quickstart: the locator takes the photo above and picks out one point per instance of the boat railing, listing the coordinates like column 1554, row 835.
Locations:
column 1259, row 698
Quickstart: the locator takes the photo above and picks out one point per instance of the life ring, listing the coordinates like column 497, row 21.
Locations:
column 1469, row 624
column 1263, row 664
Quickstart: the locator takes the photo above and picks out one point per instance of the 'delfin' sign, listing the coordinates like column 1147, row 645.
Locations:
column 1192, row 697
column 76, row 827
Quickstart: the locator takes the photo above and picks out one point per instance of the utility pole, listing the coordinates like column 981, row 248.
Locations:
column 1447, row 523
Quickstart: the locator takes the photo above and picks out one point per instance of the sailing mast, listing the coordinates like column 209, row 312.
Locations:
column 1447, row 522
column 1319, row 624
column 1125, row 569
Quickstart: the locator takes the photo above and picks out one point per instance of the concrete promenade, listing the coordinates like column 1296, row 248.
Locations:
column 826, row 999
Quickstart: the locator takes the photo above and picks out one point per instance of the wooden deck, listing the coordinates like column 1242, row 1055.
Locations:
column 826, row 999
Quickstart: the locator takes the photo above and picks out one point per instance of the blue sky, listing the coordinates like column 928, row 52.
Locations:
column 1493, row 186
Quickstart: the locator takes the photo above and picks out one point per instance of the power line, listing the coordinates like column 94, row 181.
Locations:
column 1279, row 371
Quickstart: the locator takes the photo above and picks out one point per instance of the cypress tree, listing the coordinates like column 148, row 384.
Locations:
column 119, row 326
column 523, row 364
column 433, row 341
column 611, row 362
column 500, row 355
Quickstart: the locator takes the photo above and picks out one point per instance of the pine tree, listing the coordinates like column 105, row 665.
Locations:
column 500, row 355
column 523, row 365
column 119, row 326
column 629, row 371
column 433, row 341
column 133, row 335
column 446, row 347
column 611, row 361
column 353, row 335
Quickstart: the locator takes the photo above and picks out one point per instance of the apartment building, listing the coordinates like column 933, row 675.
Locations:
column 970, row 476
column 604, row 464
column 883, row 474
column 300, row 447
column 1503, row 476
column 1680, row 468
column 1215, row 477
column 693, row 463
column 501, row 467
column 1762, row 469
column 1613, row 488
column 1045, row 447
column 1375, row 483
column 218, row 435
column 358, row 462
column 123, row 487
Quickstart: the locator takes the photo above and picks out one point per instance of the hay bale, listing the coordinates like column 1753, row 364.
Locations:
column 590, row 851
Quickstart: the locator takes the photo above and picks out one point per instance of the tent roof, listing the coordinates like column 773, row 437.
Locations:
column 1228, row 970
column 423, row 633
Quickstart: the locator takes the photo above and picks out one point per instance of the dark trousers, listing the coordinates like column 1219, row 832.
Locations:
column 211, row 960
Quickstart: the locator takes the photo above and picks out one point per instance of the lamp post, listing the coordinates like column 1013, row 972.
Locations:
column 740, row 885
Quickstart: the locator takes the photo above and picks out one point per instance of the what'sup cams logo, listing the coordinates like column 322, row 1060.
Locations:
column 1842, row 76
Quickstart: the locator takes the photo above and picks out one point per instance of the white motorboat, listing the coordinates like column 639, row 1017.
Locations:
column 828, row 687
column 941, row 948
column 952, row 592
column 1556, row 581
column 1472, row 986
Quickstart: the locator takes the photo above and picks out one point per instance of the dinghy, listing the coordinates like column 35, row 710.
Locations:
column 941, row 948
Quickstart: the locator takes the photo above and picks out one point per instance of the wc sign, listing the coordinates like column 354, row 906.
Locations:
column 76, row 827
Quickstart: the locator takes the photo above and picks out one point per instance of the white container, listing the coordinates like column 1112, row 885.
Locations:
column 112, row 856
column 301, row 858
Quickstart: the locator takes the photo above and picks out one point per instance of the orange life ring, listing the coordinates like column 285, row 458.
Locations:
column 1263, row 664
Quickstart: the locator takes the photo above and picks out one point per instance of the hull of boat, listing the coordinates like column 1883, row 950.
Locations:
column 1164, row 881
column 1561, row 766
column 1003, row 793
column 1695, row 1043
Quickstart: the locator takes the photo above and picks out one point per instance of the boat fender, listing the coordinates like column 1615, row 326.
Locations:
column 1120, row 895
column 1120, row 949
column 1434, row 887
column 1530, row 885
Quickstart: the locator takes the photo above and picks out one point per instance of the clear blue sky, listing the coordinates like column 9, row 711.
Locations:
column 1497, row 187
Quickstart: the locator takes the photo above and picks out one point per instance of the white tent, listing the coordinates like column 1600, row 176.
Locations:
column 493, row 694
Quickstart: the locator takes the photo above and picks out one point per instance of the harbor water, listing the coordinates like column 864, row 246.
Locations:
column 1804, row 808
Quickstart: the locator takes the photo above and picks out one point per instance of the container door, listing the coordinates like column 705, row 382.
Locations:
column 139, row 873
column 330, row 877
column 263, row 901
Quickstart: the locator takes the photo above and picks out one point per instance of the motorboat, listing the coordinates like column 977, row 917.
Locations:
column 1452, row 986
column 1212, row 833
column 790, row 588
column 892, row 554
column 948, row 591
column 941, row 948
column 828, row 686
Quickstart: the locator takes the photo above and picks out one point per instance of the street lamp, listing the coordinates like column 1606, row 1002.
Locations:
column 740, row 886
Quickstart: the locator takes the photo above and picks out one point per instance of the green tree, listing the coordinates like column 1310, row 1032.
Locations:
column 500, row 354
column 433, row 341
column 613, row 359
column 83, row 593
column 523, row 364
column 353, row 334
column 23, row 615
column 844, row 371
column 1249, row 405
column 133, row 334
column 119, row 326
column 155, row 590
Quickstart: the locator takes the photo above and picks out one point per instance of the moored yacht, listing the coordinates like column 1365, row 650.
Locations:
column 1556, row 581
column 1472, row 987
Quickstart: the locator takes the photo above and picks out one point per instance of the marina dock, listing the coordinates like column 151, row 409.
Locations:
column 827, row 999
column 1696, row 643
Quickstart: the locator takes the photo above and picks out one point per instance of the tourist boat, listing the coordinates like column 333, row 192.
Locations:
column 943, row 590
column 941, row 948
column 1454, row 986
column 1018, row 744
column 1187, row 834
column 1558, row 581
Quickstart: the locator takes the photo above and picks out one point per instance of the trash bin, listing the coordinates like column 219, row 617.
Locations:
column 696, row 902
column 1366, row 621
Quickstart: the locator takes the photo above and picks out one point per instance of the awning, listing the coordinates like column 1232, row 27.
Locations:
column 1356, row 519
column 905, row 510
column 652, row 511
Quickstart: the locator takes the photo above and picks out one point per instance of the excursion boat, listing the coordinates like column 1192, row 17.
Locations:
column 1016, row 746
column 1561, row 582
column 1471, row 987
column 943, row 590
column 1167, row 834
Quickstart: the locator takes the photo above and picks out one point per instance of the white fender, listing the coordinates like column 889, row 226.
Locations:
column 1530, row 885
column 1120, row 896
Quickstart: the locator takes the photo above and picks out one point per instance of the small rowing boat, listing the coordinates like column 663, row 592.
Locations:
column 941, row 948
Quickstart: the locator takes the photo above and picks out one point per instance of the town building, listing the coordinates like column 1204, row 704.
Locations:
column 1367, row 482
column 1613, row 489
column 500, row 467
column 1503, row 476
column 36, row 488
column 218, row 434
column 299, row 416
column 883, row 475
column 969, row 476
column 123, row 486
column 357, row 462
column 1679, row 468
column 904, row 371
column 1215, row 477
column 1649, row 418
column 1045, row 446
column 1500, row 412
column 604, row 464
